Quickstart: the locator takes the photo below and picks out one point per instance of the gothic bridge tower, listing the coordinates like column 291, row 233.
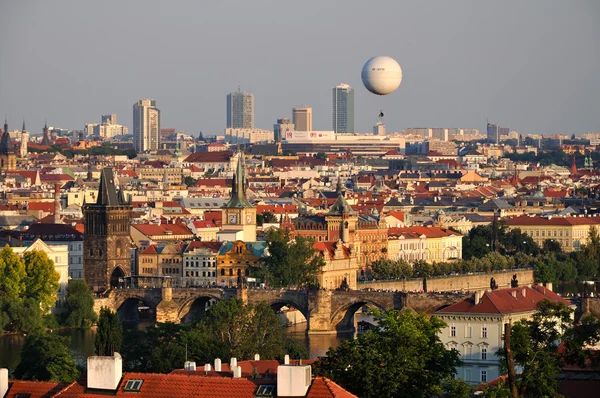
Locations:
column 106, row 243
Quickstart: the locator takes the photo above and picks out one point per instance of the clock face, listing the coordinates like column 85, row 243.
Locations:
column 233, row 219
column 249, row 218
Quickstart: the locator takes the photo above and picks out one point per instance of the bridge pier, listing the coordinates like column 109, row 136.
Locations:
column 319, row 320
column 167, row 309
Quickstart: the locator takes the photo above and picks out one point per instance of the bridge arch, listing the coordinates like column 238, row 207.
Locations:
column 135, row 308
column 342, row 319
column 194, row 309
column 277, row 306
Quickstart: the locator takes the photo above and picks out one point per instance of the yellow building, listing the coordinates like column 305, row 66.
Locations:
column 234, row 260
column 569, row 232
column 340, row 265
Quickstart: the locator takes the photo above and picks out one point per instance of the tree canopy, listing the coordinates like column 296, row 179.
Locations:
column 291, row 262
column 28, row 289
column 109, row 335
column 229, row 329
column 401, row 357
column 79, row 307
column 46, row 357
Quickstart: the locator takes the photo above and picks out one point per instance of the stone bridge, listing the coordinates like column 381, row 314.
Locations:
column 326, row 311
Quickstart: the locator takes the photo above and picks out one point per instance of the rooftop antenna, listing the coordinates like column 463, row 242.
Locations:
column 186, row 357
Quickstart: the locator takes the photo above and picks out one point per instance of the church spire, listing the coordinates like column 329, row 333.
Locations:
column 24, row 130
column 238, row 188
column 5, row 124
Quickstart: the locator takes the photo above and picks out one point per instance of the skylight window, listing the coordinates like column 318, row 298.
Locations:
column 265, row 391
column 133, row 385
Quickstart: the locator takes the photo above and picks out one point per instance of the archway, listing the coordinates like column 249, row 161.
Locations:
column 194, row 310
column 344, row 320
column 291, row 315
column 116, row 277
column 135, row 309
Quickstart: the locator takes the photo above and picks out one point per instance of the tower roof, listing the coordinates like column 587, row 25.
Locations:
column 107, row 194
column 238, row 189
column 340, row 207
column 6, row 145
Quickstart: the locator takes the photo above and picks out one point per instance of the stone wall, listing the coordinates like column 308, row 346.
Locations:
column 452, row 283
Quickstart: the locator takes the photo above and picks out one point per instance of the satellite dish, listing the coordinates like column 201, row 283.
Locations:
column 381, row 75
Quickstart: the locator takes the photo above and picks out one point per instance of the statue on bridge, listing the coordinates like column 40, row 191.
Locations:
column 493, row 284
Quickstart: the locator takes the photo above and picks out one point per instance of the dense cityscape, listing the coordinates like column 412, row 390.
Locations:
column 297, row 258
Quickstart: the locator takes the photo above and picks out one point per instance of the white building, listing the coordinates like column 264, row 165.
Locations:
column 146, row 126
column 200, row 263
column 59, row 254
column 476, row 326
column 60, row 235
column 248, row 135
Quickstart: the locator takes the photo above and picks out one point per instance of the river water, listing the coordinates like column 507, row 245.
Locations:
column 82, row 342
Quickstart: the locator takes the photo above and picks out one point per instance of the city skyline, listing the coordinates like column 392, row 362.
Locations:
column 542, row 81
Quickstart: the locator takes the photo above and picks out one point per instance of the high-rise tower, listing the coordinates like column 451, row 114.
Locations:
column 343, row 109
column 240, row 110
column 302, row 118
column 106, row 247
column 146, row 126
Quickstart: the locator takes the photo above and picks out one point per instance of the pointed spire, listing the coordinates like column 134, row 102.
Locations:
column 24, row 130
column 339, row 188
column 238, row 188
column 5, row 123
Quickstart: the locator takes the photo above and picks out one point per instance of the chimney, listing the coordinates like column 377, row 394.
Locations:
column 257, row 357
column 293, row 381
column 524, row 292
column 3, row 382
column 286, row 359
column 233, row 363
column 548, row 285
column 207, row 367
column 237, row 372
column 191, row 366
column 218, row 365
column 478, row 295
column 56, row 203
column 514, row 293
column 104, row 373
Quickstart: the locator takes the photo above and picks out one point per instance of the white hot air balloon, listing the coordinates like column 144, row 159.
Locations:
column 381, row 75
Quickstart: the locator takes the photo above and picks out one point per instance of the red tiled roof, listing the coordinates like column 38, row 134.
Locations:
column 322, row 387
column 153, row 229
column 150, row 250
column 329, row 248
column 204, row 224
column 212, row 182
column 47, row 207
column 207, row 157
column 506, row 301
column 34, row 389
column 212, row 246
column 55, row 177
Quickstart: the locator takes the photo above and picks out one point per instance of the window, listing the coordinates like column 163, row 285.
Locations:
column 484, row 376
column 484, row 332
column 453, row 331
column 133, row 385
column 469, row 331
column 483, row 354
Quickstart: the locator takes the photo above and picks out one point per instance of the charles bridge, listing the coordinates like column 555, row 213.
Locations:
column 326, row 311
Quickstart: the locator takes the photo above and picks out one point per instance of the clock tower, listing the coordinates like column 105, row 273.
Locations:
column 239, row 216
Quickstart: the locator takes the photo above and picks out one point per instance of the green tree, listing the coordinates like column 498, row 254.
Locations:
column 266, row 217
column 109, row 334
column 589, row 256
column 46, row 357
column 457, row 388
column 321, row 155
column 79, row 311
column 189, row 181
column 290, row 262
column 41, row 280
column 12, row 275
column 401, row 357
column 534, row 343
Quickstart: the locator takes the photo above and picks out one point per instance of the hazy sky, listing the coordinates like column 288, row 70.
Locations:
column 531, row 65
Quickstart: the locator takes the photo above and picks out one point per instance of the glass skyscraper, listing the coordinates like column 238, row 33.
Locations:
column 343, row 109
